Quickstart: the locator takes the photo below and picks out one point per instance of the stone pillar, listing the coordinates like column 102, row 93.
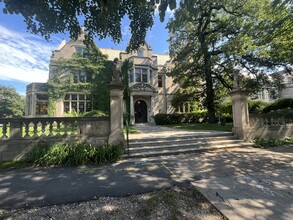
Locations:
column 34, row 104
column 15, row 129
column 131, row 109
column 116, row 113
column 240, row 109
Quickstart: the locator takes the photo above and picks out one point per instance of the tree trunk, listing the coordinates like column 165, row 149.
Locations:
column 210, row 93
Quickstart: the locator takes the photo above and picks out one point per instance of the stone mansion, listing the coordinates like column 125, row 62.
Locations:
column 151, row 90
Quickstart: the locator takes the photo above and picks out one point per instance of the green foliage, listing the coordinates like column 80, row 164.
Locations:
column 126, row 65
column 11, row 103
column 171, row 119
column 72, row 154
column 94, row 113
column 73, row 114
column 286, row 103
column 211, row 38
column 64, row 17
column 98, row 73
column 267, row 143
column 256, row 106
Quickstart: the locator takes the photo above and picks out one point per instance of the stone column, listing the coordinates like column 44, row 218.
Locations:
column 131, row 109
column 240, row 109
column 34, row 105
column 15, row 128
column 116, row 113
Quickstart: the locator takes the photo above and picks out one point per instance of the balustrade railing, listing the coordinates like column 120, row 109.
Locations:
column 38, row 127
column 268, row 120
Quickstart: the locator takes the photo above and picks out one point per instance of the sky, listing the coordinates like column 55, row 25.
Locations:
column 24, row 57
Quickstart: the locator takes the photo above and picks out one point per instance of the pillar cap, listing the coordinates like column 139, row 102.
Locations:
column 238, row 91
column 116, row 86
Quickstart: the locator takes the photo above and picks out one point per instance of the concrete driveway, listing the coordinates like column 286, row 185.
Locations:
column 244, row 183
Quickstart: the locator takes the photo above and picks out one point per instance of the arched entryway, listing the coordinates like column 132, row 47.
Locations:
column 140, row 109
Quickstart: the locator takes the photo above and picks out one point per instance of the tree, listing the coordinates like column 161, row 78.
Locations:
column 11, row 103
column 210, row 38
column 101, row 18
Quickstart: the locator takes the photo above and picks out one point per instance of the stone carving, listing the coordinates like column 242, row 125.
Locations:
column 143, row 87
column 238, row 79
column 116, row 77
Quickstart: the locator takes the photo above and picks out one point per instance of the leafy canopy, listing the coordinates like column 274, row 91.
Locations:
column 11, row 103
column 101, row 18
column 210, row 38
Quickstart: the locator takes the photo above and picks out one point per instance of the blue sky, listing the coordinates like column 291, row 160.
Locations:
column 24, row 57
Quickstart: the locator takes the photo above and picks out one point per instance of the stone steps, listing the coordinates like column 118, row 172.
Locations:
column 148, row 147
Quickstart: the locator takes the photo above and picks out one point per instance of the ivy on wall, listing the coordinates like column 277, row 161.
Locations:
column 98, row 72
column 126, row 65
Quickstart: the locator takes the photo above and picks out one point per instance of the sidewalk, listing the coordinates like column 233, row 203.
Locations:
column 242, row 183
column 153, row 131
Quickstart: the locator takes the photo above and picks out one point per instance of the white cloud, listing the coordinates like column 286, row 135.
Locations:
column 169, row 13
column 24, row 57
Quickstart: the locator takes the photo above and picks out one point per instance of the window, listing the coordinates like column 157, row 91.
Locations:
column 66, row 107
column 74, row 106
column 81, row 97
column 184, row 108
column 41, row 104
column 160, row 80
column 82, row 76
column 41, row 108
column 81, row 52
column 77, row 102
column 140, row 53
column 79, row 76
column 73, row 97
column 88, row 106
column 42, row 96
column 141, row 75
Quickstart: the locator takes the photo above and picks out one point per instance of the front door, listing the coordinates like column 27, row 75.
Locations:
column 140, row 108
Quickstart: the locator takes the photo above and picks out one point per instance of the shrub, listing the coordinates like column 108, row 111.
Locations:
column 256, row 106
column 266, row 143
column 94, row 113
column 170, row 119
column 285, row 103
column 72, row 154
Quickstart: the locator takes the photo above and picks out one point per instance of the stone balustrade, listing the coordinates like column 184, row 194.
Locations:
column 271, row 126
column 17, row 134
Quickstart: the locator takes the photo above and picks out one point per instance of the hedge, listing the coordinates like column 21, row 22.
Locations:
column 169, row 119
column 285, row 103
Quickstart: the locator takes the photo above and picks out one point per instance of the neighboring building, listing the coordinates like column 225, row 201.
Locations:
column 288, row 81
column 151, row 90
column 287, row 92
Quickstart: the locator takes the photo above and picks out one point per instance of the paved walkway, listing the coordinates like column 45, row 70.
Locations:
column 244, row 183
column 152, row 131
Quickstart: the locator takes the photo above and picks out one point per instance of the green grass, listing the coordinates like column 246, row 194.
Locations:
column 131, row 130
column 204, row 126
column 14, row 165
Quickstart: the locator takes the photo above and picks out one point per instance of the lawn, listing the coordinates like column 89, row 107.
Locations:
column 204, row 126
column 131, row 130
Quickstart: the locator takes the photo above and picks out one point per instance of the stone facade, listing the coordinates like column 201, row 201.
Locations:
column 151, row 90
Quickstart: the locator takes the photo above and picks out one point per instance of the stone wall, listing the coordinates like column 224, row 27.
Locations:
column 19, row 134
column 270, row 126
